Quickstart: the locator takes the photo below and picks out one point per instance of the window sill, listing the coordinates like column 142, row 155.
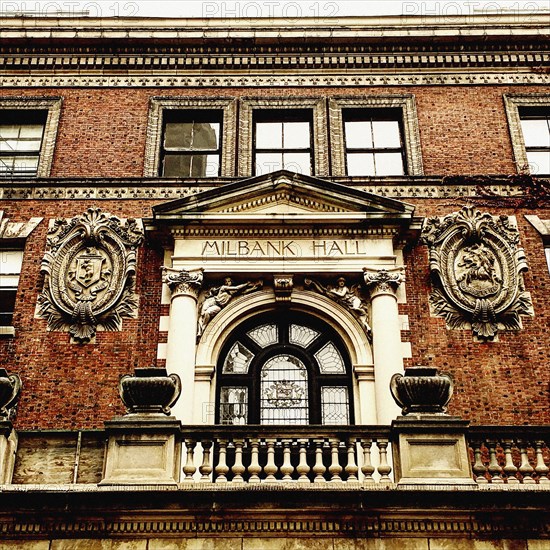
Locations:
column 7, row 332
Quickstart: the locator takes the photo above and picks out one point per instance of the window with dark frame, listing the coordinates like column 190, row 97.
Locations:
column 21, row 134
column 284, row 369
column 191, row 143
column 283, row 141
column 10, row 268
column 374, row 142
column 535, row 127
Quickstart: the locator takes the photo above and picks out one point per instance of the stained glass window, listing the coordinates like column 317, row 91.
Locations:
column 334, row 405
column 264, row 335
column 237, row 360
column 302, row 336
column 284, row 394
column 284, row 368
column 233, row 405
column 330, row 360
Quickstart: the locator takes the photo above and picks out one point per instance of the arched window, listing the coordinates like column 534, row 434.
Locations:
column 284, row 368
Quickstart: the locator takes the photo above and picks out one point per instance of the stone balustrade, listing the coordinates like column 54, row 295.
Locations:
column 239, row 456
column 510, row 455
column 268, row 454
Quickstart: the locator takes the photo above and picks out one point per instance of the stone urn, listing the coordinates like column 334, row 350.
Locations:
column 10, row 388
column 149, row 390
column 422, row 390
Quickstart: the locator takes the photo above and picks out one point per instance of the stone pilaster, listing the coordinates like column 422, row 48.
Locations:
column 386, row 336
column 8, row 446
column 182, row 334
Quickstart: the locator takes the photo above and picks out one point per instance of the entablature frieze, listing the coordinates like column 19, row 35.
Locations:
column 365, row 511
column 318, row 78
column 426, row 187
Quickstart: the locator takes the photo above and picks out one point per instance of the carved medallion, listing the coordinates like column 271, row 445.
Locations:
column 90, row 262
column 477, row 272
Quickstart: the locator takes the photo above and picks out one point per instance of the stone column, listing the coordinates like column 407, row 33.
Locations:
column 386, row 337
column 182, row 335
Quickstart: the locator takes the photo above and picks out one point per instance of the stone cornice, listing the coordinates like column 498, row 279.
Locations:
column 175, row 62
column 327, row 29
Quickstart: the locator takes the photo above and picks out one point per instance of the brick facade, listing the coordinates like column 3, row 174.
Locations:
column 102, row 134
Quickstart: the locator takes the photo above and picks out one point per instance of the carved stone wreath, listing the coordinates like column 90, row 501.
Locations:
column 89, row 268
column 477, row 267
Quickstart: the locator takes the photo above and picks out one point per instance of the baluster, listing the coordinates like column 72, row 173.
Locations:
column 303, row 468
column 222, row 468
column 510, row 469
column 189, row 469
column 270, row 468
column 479, row 468
column 351, row 467
column 541, row 468
column 494, row 467
column 335, row 469
column 384, row 469
column 319, row 468
column 205, row 468
column 238, row 469
column 287, row 468
column 254, row 469
column 367, row 468
column 525, row 469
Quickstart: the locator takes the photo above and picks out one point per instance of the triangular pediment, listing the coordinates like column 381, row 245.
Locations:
column 283, row 194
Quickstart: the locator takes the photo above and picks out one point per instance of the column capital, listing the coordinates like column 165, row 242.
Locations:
column 182, row 282
column 383, row 281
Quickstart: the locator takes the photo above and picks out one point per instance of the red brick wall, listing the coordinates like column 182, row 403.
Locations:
column 102, row 133
column 502, row 382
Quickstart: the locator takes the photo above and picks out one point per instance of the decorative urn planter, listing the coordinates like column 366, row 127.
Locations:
column 10, row 388
column 422, row 390
column 149, row 390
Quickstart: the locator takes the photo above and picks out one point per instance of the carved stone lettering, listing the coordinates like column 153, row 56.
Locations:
column 89, row 265
column 477, row 272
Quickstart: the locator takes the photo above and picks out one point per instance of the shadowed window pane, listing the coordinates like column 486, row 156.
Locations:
column 191, row 146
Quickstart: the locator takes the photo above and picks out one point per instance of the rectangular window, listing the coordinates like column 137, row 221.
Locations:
column 21, row 133
column 374, row 142
column 375, row 135
column 191, row 144
column 10, row 268
column 282, row 141
column 535, row 127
